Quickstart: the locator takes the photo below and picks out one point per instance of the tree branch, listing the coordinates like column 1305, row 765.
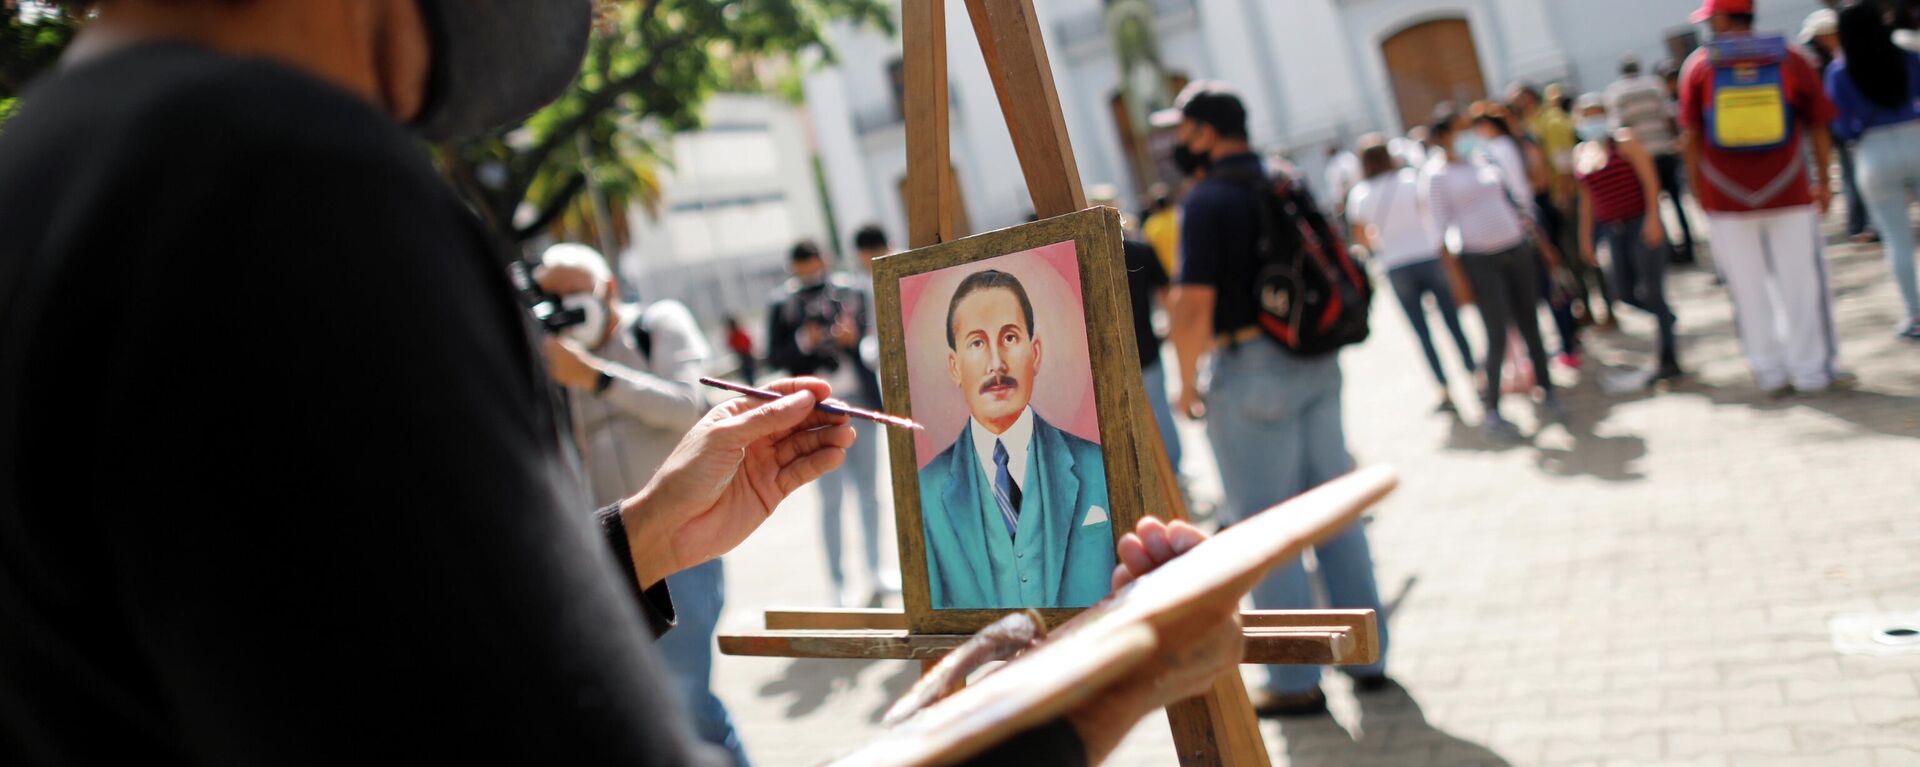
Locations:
column 601, row 100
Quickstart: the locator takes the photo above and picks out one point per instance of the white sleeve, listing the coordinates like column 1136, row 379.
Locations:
column 1357, row 200
column 668, row 395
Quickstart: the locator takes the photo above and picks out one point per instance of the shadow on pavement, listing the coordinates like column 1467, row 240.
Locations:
column 810, row 681
column 894, row 687
column 1393, row 731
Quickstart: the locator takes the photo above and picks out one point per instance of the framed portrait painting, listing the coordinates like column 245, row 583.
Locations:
column 1014, row 350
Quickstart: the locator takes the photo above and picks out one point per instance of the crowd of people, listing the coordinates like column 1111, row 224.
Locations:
column 357, row 502
column 1577, row 204
column 1544, row 200
column 417, row 530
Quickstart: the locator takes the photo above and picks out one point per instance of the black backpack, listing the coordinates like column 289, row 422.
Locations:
column 1311, row 296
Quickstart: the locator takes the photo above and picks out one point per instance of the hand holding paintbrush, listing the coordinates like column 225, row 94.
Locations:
column 827, row 405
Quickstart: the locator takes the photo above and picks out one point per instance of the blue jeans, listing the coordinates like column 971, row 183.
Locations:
column 1155, row 378
column 1887, row 160
column 860, row 468
column 1412, row 283
column 698, row 594
column 1640, row 276
column 1274, row 424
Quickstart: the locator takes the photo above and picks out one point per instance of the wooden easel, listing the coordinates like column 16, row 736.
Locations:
column 1218, row 728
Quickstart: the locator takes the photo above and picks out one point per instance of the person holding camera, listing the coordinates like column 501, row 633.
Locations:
column 632, row 375
column 333, row 514
column 814, row 328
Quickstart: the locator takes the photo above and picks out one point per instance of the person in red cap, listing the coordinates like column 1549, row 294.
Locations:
column 1749, row 108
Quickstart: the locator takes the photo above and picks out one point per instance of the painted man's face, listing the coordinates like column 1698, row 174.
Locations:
column 994, row 358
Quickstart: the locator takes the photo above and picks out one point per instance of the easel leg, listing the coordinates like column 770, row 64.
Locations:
column 1218, row 729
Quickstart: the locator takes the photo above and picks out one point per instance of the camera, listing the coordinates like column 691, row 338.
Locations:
column 547, row 309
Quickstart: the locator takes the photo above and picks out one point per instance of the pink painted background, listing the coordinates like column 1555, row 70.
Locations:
column 1063, row 393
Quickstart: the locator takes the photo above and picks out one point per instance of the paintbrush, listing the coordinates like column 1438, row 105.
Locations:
column 828, row 405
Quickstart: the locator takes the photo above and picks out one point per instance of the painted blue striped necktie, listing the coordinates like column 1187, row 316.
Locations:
column 1005, row 492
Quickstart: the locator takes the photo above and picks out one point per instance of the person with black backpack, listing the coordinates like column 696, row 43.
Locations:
column 1267, row 290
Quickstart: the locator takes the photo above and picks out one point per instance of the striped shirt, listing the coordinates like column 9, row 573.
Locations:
column 1472, row 199
column 1614, row 189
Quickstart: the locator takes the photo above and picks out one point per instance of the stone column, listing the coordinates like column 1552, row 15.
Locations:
column 1533, row 51
column 1306, row 49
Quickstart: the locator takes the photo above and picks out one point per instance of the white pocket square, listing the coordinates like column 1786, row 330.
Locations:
column 1095, row 515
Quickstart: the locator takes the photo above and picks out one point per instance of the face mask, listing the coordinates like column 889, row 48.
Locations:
column 588, row 333
column 1190, row 162
column 1465, row 144
column 1592, row 129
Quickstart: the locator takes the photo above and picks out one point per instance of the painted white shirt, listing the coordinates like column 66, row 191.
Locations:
column 1018, row 438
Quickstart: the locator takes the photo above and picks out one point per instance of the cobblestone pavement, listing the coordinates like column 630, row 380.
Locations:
column 1651, row 584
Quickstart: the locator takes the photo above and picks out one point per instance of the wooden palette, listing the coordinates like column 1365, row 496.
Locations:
column 1116, row 636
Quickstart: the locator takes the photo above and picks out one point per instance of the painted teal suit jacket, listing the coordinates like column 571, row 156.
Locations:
column 1057, row 560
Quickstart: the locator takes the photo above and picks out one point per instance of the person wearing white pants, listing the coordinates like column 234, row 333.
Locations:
column 1777, row 276
column 1749, row 167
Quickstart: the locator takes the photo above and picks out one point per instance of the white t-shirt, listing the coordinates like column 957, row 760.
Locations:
column 1472, row 198
column 1506, row 153
column 1389, row 204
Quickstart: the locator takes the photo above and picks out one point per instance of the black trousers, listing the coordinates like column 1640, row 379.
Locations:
column 1504, row 287
column 1669, row 167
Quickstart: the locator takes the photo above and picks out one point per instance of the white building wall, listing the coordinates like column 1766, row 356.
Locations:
column 1312, row 73
column 1608, row 30
column 737, row 195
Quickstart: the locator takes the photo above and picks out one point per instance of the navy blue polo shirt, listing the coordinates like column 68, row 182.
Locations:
column 1219, row 224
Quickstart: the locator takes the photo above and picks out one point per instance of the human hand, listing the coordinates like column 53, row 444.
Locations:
column 729, row 473
column 570, row 365
column 1190, row 655
column 845, row 334
column 1653, row 232
column 1189, row 402
column 811, row 336
column 1822, row 195
column 1586, row 254
column 1197, row 651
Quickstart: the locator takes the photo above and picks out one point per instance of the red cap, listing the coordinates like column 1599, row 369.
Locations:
column 1712, row 8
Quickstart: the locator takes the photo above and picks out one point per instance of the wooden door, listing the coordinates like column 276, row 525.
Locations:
column 1430, row 63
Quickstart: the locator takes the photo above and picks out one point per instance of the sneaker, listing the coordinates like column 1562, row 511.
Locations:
column 1668, row 372
column 1272, row 705
column 1569, row 360
column 1911, row 332
column 1445, row 405
column 1500, row 430
column 1366, row 683
column 1843, row 380
column 1780, row 392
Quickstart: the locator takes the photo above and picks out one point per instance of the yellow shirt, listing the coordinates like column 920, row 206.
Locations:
column 1553, row 128
column 1163, row 233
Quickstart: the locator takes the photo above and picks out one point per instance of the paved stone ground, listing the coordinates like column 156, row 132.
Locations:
column 1650, row 585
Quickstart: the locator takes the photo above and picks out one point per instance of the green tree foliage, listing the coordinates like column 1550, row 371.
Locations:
column 35, row 34
column 649, row 66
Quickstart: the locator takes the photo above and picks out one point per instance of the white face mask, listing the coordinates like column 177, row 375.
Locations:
column 588, row 333
column 1592, row 128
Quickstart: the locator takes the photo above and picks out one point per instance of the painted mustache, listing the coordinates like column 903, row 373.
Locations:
column 998, row 381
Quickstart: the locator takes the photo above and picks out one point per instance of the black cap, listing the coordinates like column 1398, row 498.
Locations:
column 496, row 61
column 1208, row 102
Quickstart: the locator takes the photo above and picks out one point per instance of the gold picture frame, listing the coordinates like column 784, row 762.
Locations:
column 1113, row 370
